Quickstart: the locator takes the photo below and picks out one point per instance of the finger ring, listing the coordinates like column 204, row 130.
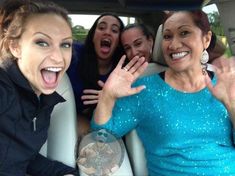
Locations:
column 124, row 68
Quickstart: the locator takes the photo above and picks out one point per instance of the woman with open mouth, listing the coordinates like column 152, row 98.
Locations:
column 36, row 40
column 93, row 62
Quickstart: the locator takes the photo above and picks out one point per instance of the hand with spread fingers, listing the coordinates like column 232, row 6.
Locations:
column 118, row 85
column 224, row 89
column 120, row 80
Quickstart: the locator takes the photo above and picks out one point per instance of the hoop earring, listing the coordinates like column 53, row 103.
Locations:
column 204, row 60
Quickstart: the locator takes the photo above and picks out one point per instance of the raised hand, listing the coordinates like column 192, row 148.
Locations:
column 224, row 90
column 120, row 80
column 118, row 85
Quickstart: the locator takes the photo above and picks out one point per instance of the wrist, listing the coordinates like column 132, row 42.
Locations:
column 104, row 108
column 231, row 110
column 106, row 98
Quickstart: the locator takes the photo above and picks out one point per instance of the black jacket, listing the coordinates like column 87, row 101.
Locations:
column 24, row 121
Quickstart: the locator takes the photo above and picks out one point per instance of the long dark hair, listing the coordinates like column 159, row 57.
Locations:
column 145, row 30
column 88, row 67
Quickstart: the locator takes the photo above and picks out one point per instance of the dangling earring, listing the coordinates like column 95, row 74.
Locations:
column 204, row 60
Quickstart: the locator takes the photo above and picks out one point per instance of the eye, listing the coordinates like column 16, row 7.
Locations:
column 101, row 27
column 138, row 44
column 66, row 45
column 167, row 37
column 115, row 29
column 127, row 48
column 184, row 33
column 42, row 43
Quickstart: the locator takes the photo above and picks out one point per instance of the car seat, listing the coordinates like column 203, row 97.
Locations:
column 61, row 144
column 62, row 133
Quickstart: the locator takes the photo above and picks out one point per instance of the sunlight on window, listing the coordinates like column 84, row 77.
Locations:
column 210, row 8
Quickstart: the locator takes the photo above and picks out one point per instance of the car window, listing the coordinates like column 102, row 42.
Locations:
column 82, row 23
column 216, row 26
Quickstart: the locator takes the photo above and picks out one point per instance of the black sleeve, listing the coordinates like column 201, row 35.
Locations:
column 7, row 95
column 42, row 166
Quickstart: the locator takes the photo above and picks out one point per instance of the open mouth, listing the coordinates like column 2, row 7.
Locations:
column 179, row 55
column 105, row 45
column 50, row 75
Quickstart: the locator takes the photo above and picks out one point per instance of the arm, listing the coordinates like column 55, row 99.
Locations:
column 41, row 165
column 224, row 89
column 118, row 85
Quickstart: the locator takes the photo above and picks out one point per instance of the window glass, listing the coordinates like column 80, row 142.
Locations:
column 217, row 28
column 82, row 23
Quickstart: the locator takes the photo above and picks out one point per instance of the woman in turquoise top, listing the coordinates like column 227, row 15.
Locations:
column 185, row 115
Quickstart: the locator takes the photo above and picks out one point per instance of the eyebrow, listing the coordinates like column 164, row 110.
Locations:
column 185, row 25
column 136, row 40
column 41, row 33
column 103, row 22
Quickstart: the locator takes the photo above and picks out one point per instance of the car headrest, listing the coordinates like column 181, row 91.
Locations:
column 157, row 50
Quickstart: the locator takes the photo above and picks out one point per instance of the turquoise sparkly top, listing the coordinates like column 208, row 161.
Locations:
column 183, row 133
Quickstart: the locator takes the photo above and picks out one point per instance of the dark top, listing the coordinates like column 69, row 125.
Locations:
column 24, row 121
column 75, row 79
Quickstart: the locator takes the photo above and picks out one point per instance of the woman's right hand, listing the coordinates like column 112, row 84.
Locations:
column 120, row 80
column 118, row 85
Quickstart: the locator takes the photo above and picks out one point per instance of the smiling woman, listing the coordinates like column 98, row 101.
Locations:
column 182, row 133
column 35, row 46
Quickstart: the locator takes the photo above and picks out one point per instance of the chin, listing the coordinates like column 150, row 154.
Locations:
column 48, row 92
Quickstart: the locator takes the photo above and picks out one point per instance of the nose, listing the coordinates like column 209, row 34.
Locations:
column 57, row 55
column 107, row 31
column 134, row 52
column 175, row 43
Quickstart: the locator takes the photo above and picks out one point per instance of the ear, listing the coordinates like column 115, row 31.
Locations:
column 15, row 48
column 151, row 41
column 207, row 39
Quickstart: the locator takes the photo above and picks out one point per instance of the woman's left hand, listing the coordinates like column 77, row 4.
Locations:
column 90, row 96
column 224, row 89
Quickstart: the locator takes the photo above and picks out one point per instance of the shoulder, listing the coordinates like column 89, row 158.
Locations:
column 7, row 90
column 148, row 80
column 4, row 79
column 77, row 52
column 78, row 48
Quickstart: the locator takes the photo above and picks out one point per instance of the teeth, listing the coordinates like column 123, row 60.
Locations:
column 53, row 69
column 107, row 40
column 179, row 55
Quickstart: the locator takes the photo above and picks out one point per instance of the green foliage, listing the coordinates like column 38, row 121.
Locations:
column 217, row 28
column 79, row 33
column 214, row 19
column 228, row 52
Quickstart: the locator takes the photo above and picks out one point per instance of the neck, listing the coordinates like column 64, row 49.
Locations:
column 191, row 81
column 104, row 66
